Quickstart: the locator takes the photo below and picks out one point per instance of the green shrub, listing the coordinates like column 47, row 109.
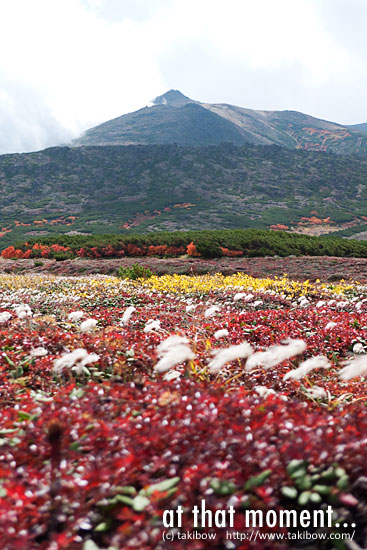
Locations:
column 61, row 256
column 135, row 271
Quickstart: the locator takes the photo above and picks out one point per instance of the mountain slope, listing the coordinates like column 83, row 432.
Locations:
column 359, row 127
column 166, row 187
column 186, row 124
column 175, row 118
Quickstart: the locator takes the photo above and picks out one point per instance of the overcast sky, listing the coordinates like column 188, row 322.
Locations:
column 67, row 65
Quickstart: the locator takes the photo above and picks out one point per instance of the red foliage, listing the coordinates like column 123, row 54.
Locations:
column 134, row 250
column 159, row 250
column 88, row 444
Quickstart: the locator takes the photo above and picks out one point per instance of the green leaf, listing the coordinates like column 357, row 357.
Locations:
column 343, row 482
column 6, row 431
column 139, row 503
column 304, row 498
column 162, row 486
column 222, row 487
column 23, row 415
column 122, row 500
column 103, row 527
column 9, row 361
column 321, row 489
column 258, row 480
column 77, row 392
column 315, row 498
column 303, row 483
column 297, row 468
column 90, row 545
column 126, row 490
column 328, row 475
column 289, row 492
column 19, row 372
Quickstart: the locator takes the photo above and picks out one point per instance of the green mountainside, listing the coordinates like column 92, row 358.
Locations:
column 359, row 127
column 167, row 187
column 175, row 118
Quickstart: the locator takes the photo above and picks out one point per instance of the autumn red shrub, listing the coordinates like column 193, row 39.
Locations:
column 231, row 253
column 134, row 250
column 191, row 250
column 8, row 252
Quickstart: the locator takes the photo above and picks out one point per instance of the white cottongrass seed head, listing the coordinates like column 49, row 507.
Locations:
column 356, row 366
column 174, row 356
column 23, row 311
column 221, row 333
column 276, row 354
column 79, row 358
column 171, row 375
column 75, row 316
column 38, row 352
column 263, row 391
column 127, row 314
column 211, row 311
column 152, row 325
column 318, row 362
column 172, row 351
column 88, row 326
column 316, row 392
column 5, row 316
column 226, row 355
column 170, row 343
column 358, row 348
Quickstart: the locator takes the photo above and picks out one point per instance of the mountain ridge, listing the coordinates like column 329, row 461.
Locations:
column 176, row 118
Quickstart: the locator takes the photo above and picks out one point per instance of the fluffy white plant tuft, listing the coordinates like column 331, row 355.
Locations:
column 172, row 351
column 276, row 354
column 318, row 362
column 358, row 348
column 38, row 352
column 152, row 325
column 4, row 316
column 263, row 391
column 78, row 359
column 126, row 316
column 211, row 311
column 23, row 311
column 316, row 392
column 221, row 333
column 356, row 366
column 75, row 316
column 88, row 326
column 226, row 355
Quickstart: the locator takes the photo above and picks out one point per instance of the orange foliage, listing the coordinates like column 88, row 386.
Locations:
column 231, row 253
column 279, row 227
column 191, row 250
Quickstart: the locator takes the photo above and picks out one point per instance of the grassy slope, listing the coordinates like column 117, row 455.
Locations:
column 227, row 186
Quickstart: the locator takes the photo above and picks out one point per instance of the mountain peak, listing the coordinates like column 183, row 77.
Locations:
column 173, row 98
column 175, row 118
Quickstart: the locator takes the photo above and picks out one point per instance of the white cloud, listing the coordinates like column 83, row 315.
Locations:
column 66, row 68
